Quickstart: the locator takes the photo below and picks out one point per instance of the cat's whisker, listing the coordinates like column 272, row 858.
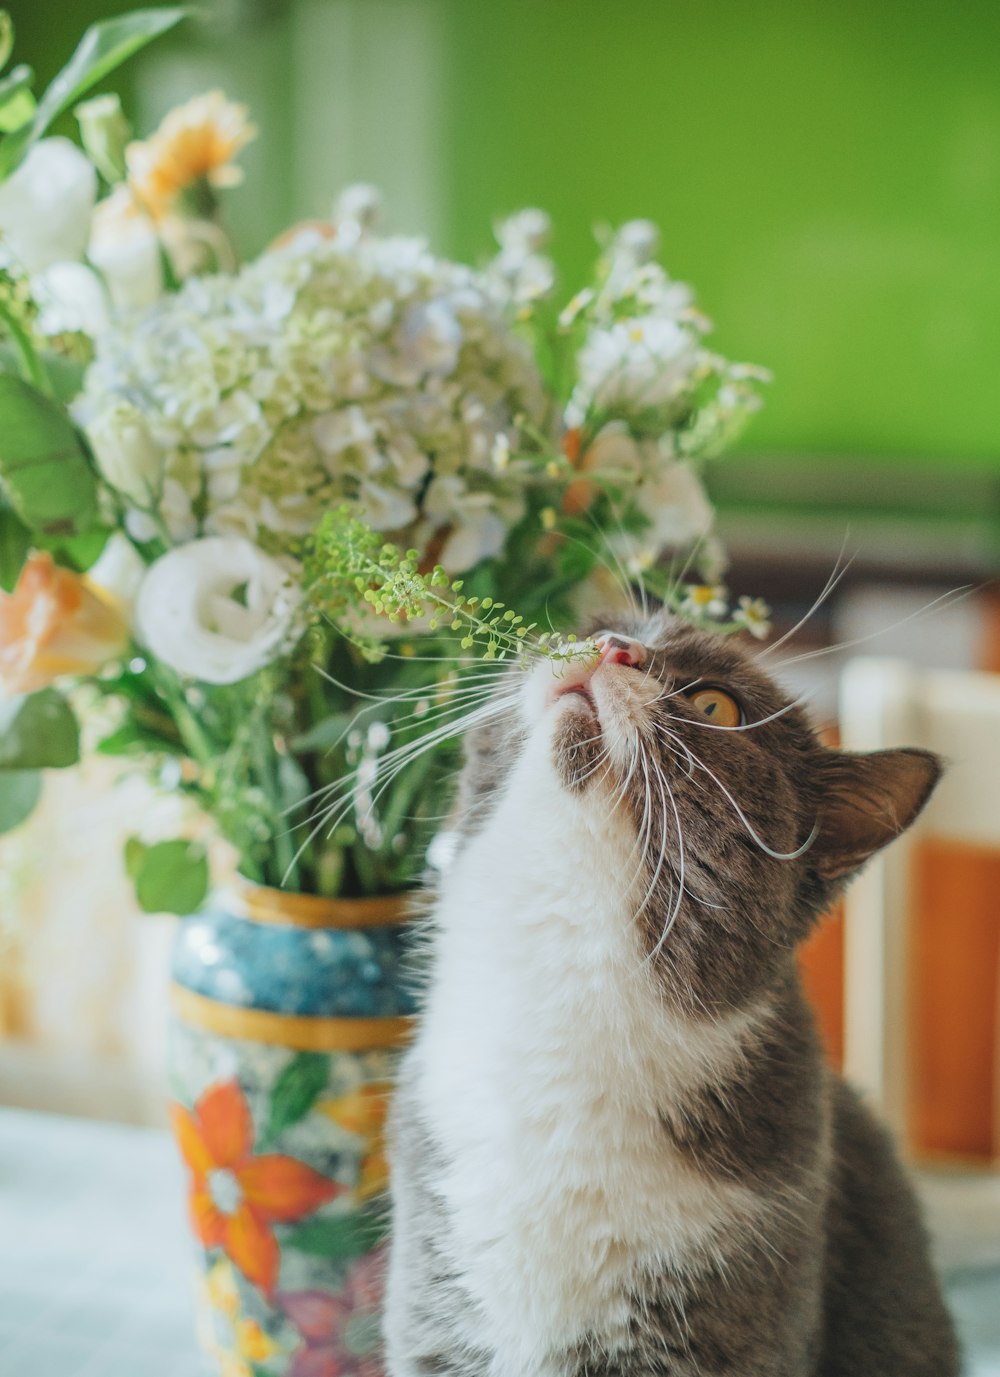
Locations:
column 836, row 574
column 743, row 726
column 758, row 840
column 345, row 791
column 943, row 601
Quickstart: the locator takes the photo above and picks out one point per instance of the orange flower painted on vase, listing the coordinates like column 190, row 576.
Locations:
column 54, row 623
column 235, row 1196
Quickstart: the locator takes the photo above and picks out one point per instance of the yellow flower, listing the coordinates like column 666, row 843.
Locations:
column 235, row 1340
column 196, row 142
column 56, row 623
column 363, row 1113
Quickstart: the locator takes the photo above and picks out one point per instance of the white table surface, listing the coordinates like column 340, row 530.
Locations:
column 96, row 1266
column 96, row 1271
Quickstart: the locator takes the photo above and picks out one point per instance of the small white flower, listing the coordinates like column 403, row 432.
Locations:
column 46, row 205
column 755, row 615
column 217, row 609
column 638, row 241
column 705, row 600
column 360, row 204
column 431, row 337
column 126, row 453
column 524, row 233
column 378, row 736
column 638, row 364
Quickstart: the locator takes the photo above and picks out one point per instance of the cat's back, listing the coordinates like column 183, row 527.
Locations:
column 883, row 1311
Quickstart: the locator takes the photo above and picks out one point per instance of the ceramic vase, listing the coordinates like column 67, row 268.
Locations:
column 288, row 1016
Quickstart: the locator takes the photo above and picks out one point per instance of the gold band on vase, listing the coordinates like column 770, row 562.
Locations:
column 298, row 1031
column 262, row 904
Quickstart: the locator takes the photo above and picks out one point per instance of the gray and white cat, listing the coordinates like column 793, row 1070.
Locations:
column 616, row 1148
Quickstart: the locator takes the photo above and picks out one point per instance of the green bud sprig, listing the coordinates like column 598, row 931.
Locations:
column 351, row 571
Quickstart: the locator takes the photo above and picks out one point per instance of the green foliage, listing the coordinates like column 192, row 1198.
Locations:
column 20, row 791
column 15, row 543
column 44, row 462
column 103, row 47
column 340, row 1239
column 295, row 1092
column 17, row 104
column 169, row 877
column 349, row 565
column 38, row 731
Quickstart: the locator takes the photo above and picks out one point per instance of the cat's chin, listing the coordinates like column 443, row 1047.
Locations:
column 576, row 737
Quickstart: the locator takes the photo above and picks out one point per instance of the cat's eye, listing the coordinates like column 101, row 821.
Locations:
column 721, row 708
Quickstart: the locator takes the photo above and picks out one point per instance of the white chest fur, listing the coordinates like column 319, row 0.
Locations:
column 544, row 1062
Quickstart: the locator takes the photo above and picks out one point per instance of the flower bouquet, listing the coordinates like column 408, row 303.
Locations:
column 271, row 531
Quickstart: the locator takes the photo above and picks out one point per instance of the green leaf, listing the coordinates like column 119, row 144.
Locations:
column 323, row 734
column 6, row 38
column 15, row 542
column 103, row 47
column 169, row 877
column 20, row 791
column 132, row 738
column 44, row 461
column 295, row 1092
column 340, row 1238
column 17, row 104
column 65, row 375
column 38, row 732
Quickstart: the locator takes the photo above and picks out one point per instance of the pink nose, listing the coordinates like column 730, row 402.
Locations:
column 621, row 650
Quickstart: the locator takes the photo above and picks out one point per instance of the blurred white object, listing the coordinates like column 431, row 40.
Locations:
column 886, row 703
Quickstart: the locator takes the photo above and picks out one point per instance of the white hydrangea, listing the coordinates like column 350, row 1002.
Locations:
column 354, row 369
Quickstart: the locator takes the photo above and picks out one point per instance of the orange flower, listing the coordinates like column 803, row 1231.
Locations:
column 198, row 140
column 235, row 1196
column 54, row 623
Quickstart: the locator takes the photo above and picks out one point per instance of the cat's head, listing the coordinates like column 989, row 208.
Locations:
column 746, row 823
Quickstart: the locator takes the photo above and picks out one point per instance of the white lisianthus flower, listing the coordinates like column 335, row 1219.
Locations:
column 126, row 453
column 216, row 609
column 637, row 364
column 118, row 570
column 46, row 205
column 125, row 249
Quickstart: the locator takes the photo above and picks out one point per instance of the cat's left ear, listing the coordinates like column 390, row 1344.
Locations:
column 867, row 801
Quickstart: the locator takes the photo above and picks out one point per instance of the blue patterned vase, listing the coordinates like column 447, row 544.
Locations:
column 288, row 1016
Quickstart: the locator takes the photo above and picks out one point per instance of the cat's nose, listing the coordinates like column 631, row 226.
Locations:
column 620, row 650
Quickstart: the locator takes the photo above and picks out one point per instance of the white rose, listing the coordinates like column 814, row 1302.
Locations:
column 125, row 249
column 46, row 205
column 126, row 453
column 217, row 609
column 637, row 363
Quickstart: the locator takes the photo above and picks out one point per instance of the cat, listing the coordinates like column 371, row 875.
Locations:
column 616, row 1148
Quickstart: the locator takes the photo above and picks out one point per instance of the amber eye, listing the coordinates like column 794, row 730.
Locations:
column 721, row 708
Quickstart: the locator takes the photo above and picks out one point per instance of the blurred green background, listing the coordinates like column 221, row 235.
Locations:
column 828, row 175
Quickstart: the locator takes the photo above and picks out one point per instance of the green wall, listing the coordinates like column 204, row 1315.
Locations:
column 827, row 174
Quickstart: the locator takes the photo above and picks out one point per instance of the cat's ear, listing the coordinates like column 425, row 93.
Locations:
column 867, row 800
